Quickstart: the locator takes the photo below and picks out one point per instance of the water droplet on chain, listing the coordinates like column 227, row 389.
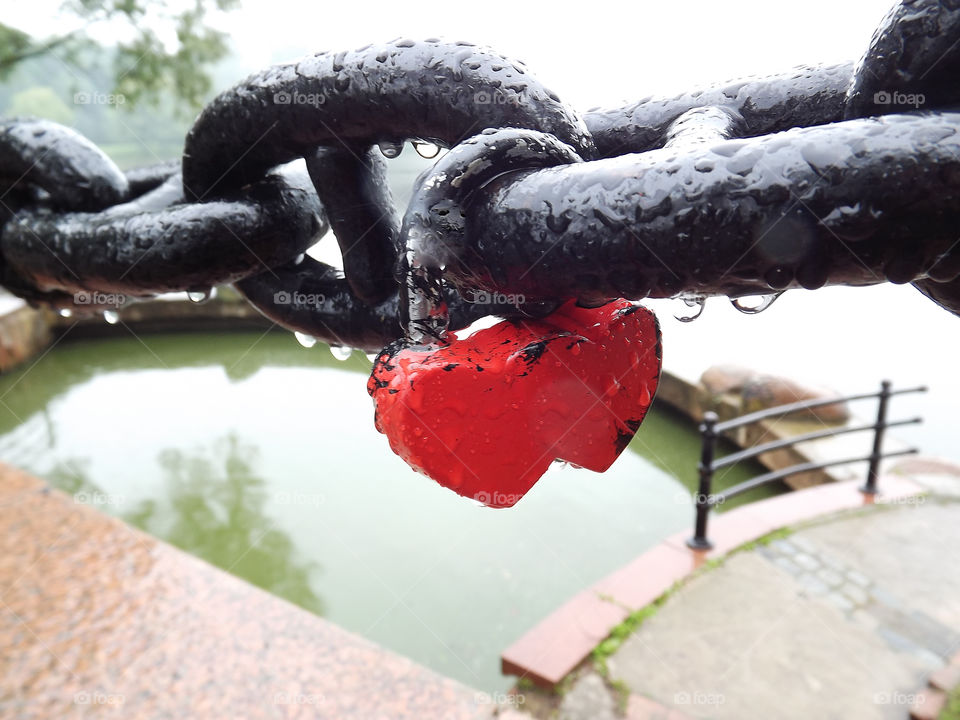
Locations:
column 763, row 302
column 778, row 277
column 341, row 353
column 391, row 149
column 308, row 341
column 698, row 302
column 426, row 150
column 201, row 296
column 65, row 312
column 111, row 316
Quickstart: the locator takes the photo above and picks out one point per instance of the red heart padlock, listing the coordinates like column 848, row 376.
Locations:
column 485, row 415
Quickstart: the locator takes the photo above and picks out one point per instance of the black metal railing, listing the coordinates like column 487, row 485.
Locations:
column 711, row 429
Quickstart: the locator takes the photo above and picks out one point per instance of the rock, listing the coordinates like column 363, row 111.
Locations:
column 588, row 699
column 766, row 391
column 785, row 563
column 759, row 391
column 721, row 379
column 855, row 594
column 840, row 601
column 830, row 577
column 807, row 562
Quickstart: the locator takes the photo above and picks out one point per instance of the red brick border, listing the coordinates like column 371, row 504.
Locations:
column 933, row 698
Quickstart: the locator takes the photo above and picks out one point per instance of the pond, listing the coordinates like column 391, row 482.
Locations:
column 260, row 456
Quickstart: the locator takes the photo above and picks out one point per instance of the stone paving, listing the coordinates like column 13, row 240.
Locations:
column 845, row 618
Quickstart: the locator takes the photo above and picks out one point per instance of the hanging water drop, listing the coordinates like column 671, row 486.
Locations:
column 299, row 258
column 111, row 316
column 372, row 356
column 698, row 302
column 426, row 150
column 391, row 148
column 341, row 353
column 201, row 296
column 65, row 312
column 308, row 341
column 762, row 303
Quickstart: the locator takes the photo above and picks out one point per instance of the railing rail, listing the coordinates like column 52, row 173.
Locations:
column 807, row 405
column 711, row 429
column 736, row 457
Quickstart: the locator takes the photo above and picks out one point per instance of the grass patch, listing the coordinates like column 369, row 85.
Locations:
column 563, row 687
column 951, row 711
column 625, row 629
column 764, row 540
column 622, row 692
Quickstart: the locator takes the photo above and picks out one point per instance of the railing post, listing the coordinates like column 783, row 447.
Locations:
column 708, row 432
column 870, row 488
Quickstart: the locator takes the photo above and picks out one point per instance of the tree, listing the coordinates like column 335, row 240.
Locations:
column 41, row 102
column 144, row 67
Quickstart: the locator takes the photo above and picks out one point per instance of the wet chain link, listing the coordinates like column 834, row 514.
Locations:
column 825, row 175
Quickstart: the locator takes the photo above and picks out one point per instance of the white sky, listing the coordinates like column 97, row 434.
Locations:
column 651, row 47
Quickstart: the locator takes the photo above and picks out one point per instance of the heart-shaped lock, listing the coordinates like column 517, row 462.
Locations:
column 486, row 414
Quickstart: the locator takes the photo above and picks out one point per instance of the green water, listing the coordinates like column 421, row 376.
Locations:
column 261, row 457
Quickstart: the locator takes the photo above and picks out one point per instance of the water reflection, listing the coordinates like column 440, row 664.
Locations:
column 217, row 512
column 212, row 505
column 71, row 477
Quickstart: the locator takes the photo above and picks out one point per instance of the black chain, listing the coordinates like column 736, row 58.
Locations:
column 829, row 175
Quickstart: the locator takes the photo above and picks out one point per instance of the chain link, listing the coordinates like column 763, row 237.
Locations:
column 825, row 175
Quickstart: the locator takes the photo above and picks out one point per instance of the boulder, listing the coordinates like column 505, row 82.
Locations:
column 759, row 391
column 722, row 379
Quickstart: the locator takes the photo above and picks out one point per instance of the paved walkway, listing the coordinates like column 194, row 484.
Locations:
column 842, row 619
